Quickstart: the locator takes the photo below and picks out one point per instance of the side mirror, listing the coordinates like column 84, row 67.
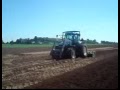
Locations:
column 82, row 39
column 56, row 35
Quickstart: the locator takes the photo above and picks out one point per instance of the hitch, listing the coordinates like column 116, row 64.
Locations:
column 91, row 54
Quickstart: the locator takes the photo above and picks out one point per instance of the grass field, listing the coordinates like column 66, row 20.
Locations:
column 46, row 45
column 24, row 45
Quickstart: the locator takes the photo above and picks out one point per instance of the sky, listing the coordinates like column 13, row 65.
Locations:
column 95, row 19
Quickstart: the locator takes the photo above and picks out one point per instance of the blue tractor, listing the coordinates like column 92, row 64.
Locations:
column 70, row 46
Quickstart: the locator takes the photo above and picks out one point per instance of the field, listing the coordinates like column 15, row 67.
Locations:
column 45, row 45
column 23, row 48
column 25, row 45
column 23, row 69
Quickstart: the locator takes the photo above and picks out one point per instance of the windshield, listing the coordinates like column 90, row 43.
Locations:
column 69, row 37
column 73, row 37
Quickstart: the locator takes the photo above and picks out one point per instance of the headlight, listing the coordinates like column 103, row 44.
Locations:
column 53, row 48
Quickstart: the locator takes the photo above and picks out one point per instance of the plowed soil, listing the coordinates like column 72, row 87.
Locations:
column 40, row 71
column 99, row 75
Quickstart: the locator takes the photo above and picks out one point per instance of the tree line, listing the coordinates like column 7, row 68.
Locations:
column 35, row 40
column 46, row 40
column 108, row 42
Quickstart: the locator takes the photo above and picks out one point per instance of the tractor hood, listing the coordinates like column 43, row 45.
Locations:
column 64, row 42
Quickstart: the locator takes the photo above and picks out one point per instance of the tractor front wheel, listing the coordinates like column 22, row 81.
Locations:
column 72, row 53
column 83, row 51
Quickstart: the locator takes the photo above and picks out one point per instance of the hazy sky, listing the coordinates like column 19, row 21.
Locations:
column 95, row 19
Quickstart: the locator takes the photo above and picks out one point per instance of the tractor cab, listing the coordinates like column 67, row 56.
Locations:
column 68, row 38
column 72, row 36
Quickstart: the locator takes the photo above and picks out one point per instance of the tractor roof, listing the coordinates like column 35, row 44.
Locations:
column 72, row 32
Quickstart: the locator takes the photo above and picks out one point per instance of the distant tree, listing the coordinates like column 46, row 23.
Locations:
column 88, row 41
column 11, row 42
column 28, row 41
column 108, row 42
column 7, row 42
column 19, row 41
column 36, row 39
column 95, row 42
column 2, row 42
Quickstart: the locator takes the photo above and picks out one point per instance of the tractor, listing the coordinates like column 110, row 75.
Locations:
column 70, row 46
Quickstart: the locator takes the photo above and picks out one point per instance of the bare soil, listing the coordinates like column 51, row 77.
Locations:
column 40, row 71
column 99, row 75
column 6, row 51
